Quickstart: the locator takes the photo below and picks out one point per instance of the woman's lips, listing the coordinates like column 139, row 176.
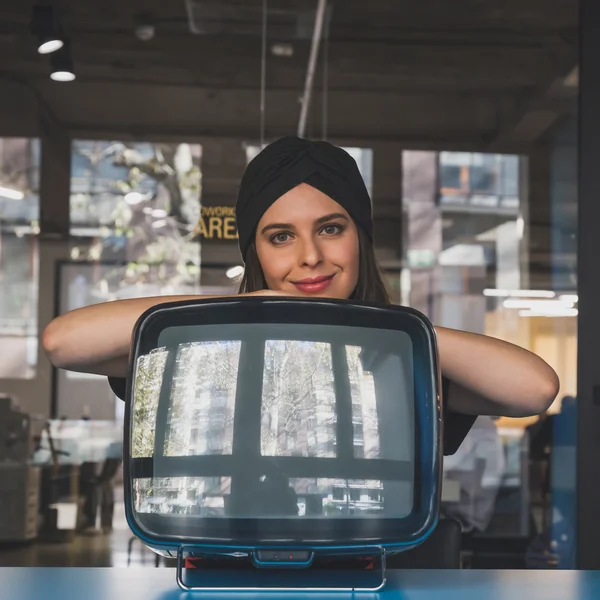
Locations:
column 314, row 285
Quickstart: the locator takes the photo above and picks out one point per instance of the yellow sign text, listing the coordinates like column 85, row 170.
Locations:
column 217, row 223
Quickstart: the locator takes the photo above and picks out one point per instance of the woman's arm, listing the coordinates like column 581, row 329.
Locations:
column 492, row 377
column 96, row 339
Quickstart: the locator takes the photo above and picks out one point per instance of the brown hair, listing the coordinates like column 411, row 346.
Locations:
column 369, row 287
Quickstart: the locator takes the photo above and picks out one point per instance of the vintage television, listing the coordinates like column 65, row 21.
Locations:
column 282, row 430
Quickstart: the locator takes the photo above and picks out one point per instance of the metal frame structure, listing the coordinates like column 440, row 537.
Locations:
column 280, row 587
column 588, row 282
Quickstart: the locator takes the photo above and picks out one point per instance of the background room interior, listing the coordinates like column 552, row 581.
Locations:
column 121, row 153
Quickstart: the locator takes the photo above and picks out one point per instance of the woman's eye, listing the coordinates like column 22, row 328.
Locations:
column 280, row 238
column 331, row 229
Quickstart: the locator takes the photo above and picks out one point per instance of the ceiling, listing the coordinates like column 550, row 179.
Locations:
column 480, row 75
column 473, row 71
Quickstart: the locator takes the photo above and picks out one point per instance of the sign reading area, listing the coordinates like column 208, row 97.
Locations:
column 217, row 223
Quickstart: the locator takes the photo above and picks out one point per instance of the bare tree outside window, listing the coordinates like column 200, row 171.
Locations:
column 137, row 203
column 19, row 228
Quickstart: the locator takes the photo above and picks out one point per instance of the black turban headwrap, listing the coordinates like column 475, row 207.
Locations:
column 290, row 161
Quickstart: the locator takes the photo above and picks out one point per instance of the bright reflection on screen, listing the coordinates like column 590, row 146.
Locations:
column 298, row 400
column 200, row 419
column 148, row 380
column 210, row 496
column 293, row 421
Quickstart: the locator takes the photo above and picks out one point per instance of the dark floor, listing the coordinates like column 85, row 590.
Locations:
column 111, row 550
column 95, row 550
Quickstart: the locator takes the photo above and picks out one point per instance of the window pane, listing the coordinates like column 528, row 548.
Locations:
column 450, row 178
column 485, row 181
column 19, row 213
column 502, row 258
column 482, row 180
column 137, row 204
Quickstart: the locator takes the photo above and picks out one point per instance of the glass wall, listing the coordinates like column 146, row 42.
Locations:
column 19, row 216
column 472, row 262
column 462, row 118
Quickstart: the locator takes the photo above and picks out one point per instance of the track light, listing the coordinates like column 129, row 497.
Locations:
column 51, row 44
column 62, row 64
column 144, row 29
column 47, row 30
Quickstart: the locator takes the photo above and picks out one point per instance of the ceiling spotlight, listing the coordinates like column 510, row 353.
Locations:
column 62, row 64
column 144, row 29
column 50, row 45
column 46, row 28
column 144, row 33
column 285, row 50
column 62, row 76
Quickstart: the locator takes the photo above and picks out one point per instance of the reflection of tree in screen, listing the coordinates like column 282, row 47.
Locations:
column 364, row 406
column 200, row 419
column 298, row 406
column 148, row 381
column 204, row 496
column 298, row 417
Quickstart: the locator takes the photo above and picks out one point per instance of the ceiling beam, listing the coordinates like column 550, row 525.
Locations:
column 537, row 112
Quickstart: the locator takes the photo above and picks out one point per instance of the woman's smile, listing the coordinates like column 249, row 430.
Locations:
column 314, row 285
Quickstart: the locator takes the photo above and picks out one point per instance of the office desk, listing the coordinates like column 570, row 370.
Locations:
column 159, row 584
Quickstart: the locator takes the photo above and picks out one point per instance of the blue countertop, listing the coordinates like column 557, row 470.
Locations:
column 36, row 583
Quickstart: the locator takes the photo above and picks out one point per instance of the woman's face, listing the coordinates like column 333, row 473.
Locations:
column 307, row 245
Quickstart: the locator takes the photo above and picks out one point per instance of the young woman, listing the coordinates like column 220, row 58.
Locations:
column 305, row 229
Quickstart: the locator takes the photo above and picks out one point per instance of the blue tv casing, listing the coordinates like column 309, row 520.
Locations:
column 390, row 535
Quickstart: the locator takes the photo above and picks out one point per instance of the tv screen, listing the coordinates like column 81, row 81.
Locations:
column 280, row 432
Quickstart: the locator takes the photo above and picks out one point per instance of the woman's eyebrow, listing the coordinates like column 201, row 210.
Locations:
column 331, row 217
column 320, row 220
column 276, row 226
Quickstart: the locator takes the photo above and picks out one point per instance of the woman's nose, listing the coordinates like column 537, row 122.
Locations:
column 310, row 253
